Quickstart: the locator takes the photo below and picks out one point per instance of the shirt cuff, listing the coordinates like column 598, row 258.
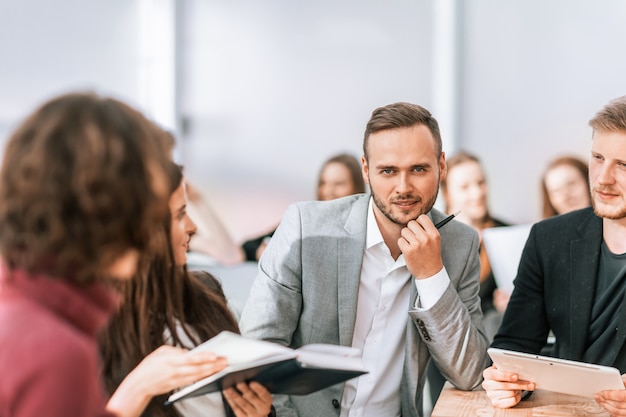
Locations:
column 430, row 290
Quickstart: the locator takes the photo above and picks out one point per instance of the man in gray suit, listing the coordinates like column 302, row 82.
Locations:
column 373, row 272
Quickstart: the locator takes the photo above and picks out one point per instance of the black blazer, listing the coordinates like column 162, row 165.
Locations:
column 554, row 289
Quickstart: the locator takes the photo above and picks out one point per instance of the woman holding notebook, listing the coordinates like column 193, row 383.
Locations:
column 168, row 305
column 65, row 235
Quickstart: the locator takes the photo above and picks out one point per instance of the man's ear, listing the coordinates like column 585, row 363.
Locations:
column 365, row 170
column 443, row 167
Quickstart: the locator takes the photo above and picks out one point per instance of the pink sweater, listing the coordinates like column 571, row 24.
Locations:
column 49, row 363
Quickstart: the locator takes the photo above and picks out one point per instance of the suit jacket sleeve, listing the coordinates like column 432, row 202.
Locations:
column 273, row 308
column 453, row 330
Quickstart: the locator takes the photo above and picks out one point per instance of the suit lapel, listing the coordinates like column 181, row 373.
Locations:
column 349, row 260
column 584, row 258
column 620, row 360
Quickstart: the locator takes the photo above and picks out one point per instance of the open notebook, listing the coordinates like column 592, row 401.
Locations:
column 280, row 369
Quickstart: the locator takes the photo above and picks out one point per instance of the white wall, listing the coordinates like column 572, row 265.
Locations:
column 533, row 74
column 48, row 47
column 269, row 89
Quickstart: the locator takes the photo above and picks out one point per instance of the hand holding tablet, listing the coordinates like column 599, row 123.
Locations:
column 558, row 375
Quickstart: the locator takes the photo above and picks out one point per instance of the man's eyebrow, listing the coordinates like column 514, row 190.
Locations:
column 389, row 166
column 386, row 166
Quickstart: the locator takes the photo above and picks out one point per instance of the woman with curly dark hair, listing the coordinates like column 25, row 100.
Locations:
column 83, row 184
column 165, row 306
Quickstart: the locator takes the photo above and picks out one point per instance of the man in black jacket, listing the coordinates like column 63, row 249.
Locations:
column 572, row 276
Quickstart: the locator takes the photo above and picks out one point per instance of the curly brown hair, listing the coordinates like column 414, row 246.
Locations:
column 82, row 181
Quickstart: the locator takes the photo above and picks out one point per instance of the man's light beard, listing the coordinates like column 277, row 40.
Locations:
column 388, row 213
column 616, row 214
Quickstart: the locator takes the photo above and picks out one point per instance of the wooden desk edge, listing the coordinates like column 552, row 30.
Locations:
column 456, row 403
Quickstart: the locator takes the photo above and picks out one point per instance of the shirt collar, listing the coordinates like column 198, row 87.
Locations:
column 374, row 237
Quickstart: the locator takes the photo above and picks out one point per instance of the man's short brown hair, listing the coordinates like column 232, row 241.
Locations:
column 401, row 115
column 612, row 117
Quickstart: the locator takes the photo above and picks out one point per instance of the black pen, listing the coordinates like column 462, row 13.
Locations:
column 446, row 220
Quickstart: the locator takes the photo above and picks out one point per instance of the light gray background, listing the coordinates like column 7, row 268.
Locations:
column 266, row 90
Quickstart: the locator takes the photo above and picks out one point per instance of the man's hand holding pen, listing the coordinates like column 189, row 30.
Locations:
column 420, row 243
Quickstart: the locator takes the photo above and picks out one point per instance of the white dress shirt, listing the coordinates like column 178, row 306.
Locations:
column 380, row 327
column 204, row 405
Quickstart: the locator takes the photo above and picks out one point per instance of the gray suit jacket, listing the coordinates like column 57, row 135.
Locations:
column 307, row 287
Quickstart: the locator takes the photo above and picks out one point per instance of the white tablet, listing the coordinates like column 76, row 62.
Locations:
column 558, row 375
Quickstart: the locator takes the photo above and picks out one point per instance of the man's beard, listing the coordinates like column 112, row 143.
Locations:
column 615, row 214
column 388, row 212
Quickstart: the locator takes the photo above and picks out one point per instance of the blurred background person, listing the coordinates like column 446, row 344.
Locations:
column 339, row 176
column 565, row 186
column 465, row 189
